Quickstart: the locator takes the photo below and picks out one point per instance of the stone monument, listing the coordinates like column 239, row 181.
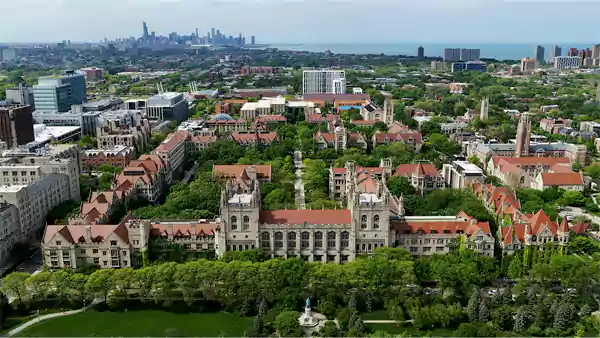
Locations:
column 307, row 319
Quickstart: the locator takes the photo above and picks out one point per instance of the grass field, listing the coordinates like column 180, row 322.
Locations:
column 141, row 324
column 377, row 314
column 393, row 329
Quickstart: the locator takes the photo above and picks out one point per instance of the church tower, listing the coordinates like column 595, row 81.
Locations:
column 485, row 107
column 388, row 110
column 523, row 135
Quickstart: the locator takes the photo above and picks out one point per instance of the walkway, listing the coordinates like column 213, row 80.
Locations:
column 299, row 184
column 36, row 320
column 190, row 173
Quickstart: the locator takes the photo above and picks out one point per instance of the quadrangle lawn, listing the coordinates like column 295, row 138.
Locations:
column 141, row 324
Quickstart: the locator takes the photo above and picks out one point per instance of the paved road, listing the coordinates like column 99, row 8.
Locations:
column 579, row 212
column 298, row 183
column 189, row 173
column 36, row 320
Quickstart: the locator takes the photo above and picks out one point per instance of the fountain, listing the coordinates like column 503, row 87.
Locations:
column 307, row 319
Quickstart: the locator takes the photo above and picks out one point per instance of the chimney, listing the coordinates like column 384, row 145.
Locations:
column 88, row 234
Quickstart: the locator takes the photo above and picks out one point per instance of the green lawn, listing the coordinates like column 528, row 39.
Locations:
column 393, row 329
column 141, row 324
column 377, row 314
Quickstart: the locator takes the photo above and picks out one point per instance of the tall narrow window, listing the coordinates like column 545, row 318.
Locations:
column 278, row 240
column 376, row 222
column 363, row 222
column 291, row 240
column 318, row 239
column 265, row 241
column 233, row 223
column 304, row 240
column 331, row 240
column 246, row 224
column 345, row 240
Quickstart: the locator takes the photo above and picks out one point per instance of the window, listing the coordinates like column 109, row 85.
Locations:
column 439, row 249
column 376, row 222
column 427, row 249
column 480, row 238
column 278, row 240
column 265, row 240
column 96, row 260
column 105, row 263
column 103, row 253
column 413, row 249
column 318, row 239
column 345, row 241
column 318, row 258
column 233, row 223
column 58, row 242
column 114, row 262
column 331, row 240
column 291, row 240
column 82, row 251
column 304, row 240
column 113, row 243
column 363, row 222
column 246, row 224
column 94, row 251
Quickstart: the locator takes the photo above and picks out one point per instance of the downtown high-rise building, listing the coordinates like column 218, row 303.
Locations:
column 420, row 52
column 452, row 54
column 462, row 54
column 538, row 53
column 322, row 81
column 556, row 51
column 145, row 34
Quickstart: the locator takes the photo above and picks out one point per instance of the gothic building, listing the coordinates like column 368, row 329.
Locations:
column 371, row 218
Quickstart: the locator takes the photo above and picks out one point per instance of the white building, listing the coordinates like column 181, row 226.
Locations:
column 319, row 81
column 45, row 134
column 461, row 174
column 567, row 62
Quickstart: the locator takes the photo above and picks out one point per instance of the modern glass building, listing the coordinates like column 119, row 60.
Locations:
column 58, row 92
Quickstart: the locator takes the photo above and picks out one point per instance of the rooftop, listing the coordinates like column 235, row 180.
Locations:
column 45, row 133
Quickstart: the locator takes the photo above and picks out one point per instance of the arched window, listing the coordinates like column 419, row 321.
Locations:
column 318, row 239
column 291, row 240
column 345, row 241
column 233, row 223
column 376, row 222
column 278, row 240
column 246, row 224
column 363, row 221
column 331, row 240
column 265, row 241
column 523, row 180
column 304, row 240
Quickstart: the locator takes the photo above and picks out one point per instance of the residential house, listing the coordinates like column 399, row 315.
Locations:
column 424, row 177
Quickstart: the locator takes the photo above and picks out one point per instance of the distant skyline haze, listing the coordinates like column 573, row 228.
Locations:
column 306, row 21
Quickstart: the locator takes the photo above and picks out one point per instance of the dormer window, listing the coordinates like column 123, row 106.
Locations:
column 446, row 231
column 433, row 232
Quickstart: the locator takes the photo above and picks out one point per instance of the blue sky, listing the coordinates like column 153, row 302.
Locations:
column 308, row 21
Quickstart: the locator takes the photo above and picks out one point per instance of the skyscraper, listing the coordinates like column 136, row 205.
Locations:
column 58, row 92
column 452, row 54
column 252, row 40
column 145, row 31
column 16, row 124
column 421, row 52
column 523, row 135
column 556, row 51
column 538, row 54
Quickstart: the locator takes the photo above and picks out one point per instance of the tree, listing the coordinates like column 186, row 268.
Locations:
column 399, row 185
column 5, row 309
column 352, row 301
column 502, row 318
column 474, row 330
column 368, row 302
column 287, row 324
column 359, row 326
column 330, row 329
column 484, row 312
column 565, row 315
column 593, row 170
column 475, row 160
column 13, row 285
column 262, row 307
column 573, row 198
column 521, row 321
column 473, row 306
column 100, row 282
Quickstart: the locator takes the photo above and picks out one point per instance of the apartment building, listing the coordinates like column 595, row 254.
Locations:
column 35, row 200
column 118, row 156
column 130, row 130
column 318, row 81
column 222, row 126
column 172, row 151
column 520, row 172
column 267, row 106
column 107, row 246
column 100, row 207
column 16, row 124
column 462, row 174
column 10, row 230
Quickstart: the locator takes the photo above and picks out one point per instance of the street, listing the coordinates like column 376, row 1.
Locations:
column 578, row 212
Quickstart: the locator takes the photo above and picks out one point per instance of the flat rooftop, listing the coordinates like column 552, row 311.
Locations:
column 45, row 133
column 468, row 167
column 165, row 96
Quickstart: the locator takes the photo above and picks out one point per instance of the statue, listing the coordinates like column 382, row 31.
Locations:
column 307, row 319
column 308, row 303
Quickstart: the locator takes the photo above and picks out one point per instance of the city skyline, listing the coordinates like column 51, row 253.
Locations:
column 476, row 20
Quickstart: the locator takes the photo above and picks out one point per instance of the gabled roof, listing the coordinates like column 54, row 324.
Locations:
column 405, row 137
column 184, row 229
column 78, row 233
column 173, row 140
column 418, row 169
column 298, row 217
column 254, row 137
column 237, row 170
column 560, row 179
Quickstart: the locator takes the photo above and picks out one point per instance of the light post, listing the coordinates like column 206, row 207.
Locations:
column 37, row 313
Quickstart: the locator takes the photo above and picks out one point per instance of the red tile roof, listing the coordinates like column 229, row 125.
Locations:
column 405, row 137
column 238, row 170
column 318, row 118
column 254, row 137
column 298, row 217
column 78, row 233
column 558, row 179
column 580, row 228
column 418, row 169
column 172, row 141
column 440, row 227
column 194, row 228
column 531, row 160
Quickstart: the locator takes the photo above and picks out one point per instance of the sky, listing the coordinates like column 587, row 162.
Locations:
column 307, row 21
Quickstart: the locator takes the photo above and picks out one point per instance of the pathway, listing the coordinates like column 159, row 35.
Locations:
column 38, row 319
column 189, row 173
column 579, row 212
column 298, row 183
